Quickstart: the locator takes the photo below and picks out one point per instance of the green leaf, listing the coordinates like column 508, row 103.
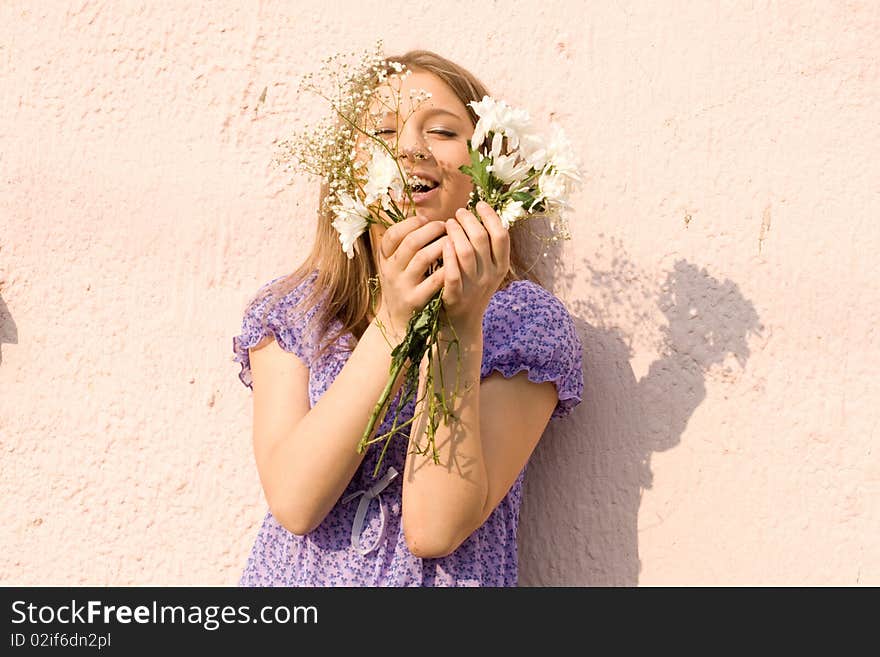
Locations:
column 477, row 168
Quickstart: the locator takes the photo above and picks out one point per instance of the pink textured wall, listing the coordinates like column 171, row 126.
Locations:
column 723, row 275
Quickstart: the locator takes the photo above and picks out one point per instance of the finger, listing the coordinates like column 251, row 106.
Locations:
column 395, row 235
column 498, row 235
column 478, row 237
column 425, row 257
column 452, row 277
column 428, row 287
column 416, row 240
column 464, row 250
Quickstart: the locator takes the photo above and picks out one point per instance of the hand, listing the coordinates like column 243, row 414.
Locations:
column 476, row 258
column 405, row 252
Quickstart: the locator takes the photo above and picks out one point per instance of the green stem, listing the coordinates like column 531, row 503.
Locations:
column 421, row 337
column 383, row 399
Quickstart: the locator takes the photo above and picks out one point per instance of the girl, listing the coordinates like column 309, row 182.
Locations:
column 316, row 353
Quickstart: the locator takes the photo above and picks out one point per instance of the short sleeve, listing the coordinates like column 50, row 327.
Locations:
column 281, row 318
column 525, row 327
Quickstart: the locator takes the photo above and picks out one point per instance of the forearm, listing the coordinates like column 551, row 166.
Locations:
column 442, row 503
column 312, row 466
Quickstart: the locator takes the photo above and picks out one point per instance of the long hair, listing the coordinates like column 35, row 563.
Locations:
column 343, row 283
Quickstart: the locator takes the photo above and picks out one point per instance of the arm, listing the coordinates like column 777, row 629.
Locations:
column 498, row 423
column 306, row 457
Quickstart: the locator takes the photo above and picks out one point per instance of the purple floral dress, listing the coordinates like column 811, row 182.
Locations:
column 525, row 327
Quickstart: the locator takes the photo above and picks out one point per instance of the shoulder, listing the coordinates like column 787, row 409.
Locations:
column 280, row 303
column 525, row 290
column 524, row 303
column 526, row 327
column 277, row 310
column 278, row 294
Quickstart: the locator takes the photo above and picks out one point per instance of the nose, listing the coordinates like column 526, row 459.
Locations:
column 412, row 146
column 413, row 153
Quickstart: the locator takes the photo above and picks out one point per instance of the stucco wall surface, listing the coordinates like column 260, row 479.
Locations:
column 722, row 275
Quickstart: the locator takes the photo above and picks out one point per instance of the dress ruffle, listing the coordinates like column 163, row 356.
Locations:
column 282, row 322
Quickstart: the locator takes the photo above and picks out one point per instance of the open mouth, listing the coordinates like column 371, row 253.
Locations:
column 421, row 187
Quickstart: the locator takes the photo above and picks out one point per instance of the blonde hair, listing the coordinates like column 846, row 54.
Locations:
column 342, row 282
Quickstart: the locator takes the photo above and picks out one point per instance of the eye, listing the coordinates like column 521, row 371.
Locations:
column 383, row 131
column 442, row 132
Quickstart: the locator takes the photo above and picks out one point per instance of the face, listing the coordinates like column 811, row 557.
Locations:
column 430, row 138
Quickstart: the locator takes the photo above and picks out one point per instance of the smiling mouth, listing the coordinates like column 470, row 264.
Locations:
column 420, row 187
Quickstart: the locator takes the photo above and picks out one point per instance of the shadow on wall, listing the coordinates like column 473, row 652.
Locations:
column 579, row 523
column 8, row 330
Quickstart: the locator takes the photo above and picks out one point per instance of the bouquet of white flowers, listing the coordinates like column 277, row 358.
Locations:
column 517, row 171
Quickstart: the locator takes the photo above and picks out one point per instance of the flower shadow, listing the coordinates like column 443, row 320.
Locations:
column 580, row 513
